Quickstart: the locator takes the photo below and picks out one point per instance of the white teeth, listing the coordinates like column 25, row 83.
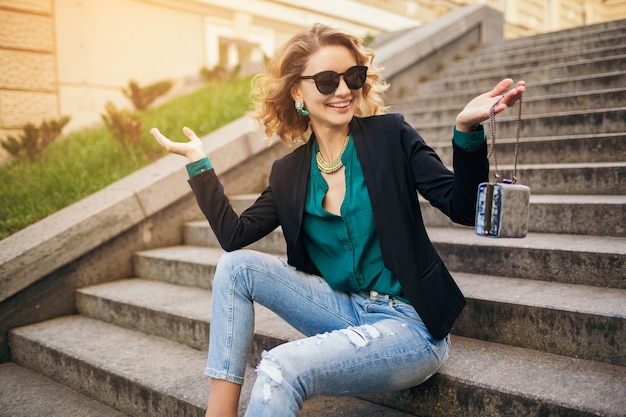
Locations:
column 339, row 105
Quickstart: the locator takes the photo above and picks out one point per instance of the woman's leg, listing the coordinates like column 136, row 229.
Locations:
column 223, row 399
column 389, row 350
column 243, row 277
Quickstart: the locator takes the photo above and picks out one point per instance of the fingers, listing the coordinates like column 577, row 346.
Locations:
column 501, row 87
column 190, row 133
column 168, row 144
column 514, row 94
column 508, row 98
column 159, row 137
column 193, row 150
column 498, row 94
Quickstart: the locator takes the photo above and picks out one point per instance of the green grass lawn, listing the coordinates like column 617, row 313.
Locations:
column 83, row 162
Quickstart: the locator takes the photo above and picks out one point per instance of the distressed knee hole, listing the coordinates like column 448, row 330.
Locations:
column 273, row 374
column 361, row 336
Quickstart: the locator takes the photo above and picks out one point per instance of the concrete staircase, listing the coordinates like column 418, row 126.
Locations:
column 544, row 332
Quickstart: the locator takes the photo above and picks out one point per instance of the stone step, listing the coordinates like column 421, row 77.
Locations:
column 183, row 265
column 496, row 54
column 565, row 214
column 483, row 379
column 199, row 233
column 578, row 215
column 570, row 320
column 571, row 259
column 586, row 148
column 544, row 73
column 26, row 393
column 174, row 312
column 536, row 105
column 423, row 98
column 528, row 60
column 559, row 123
column 560, row 39
column 600, row 178
column 574, row 259
column 126, row 369
column 140, row 374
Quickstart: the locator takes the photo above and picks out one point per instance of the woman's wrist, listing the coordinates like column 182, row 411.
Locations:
column 198, row 167
column 470, row 141
column 462, row 127
column 195, row 155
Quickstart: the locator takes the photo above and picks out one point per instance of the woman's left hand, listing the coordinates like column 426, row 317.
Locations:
column 192, row 150
column 477, row 110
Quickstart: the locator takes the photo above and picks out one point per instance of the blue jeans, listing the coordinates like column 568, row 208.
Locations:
column 358, row 343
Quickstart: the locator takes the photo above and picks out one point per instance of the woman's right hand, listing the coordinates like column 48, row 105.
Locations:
column 477, row 110
column 192, row 150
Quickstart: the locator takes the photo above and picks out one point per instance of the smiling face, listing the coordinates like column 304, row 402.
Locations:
column 333, row 111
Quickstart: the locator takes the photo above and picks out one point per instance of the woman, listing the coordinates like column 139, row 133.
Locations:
column 362, row 280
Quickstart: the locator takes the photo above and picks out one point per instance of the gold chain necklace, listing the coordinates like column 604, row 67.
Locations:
column 334, row 166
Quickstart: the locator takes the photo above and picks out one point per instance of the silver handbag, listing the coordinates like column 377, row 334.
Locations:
column 502, row 206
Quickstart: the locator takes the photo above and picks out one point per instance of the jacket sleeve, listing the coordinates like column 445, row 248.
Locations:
column 454, row 193
column 233, row 231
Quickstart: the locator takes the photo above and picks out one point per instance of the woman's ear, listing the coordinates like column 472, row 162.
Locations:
column 295, row 92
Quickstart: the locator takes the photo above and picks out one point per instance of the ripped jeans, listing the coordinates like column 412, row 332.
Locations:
column 357, row 344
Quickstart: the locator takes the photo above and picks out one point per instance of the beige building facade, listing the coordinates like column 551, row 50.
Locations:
column 522, row 17
column 70, row 57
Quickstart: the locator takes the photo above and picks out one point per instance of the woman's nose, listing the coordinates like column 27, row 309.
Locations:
column 342, row 88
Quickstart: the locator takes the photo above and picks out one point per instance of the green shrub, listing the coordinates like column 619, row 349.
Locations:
column 124, row 126
column 143, row 97
column 33, row 140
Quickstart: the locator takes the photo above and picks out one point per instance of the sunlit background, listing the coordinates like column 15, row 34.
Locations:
column 70, row 57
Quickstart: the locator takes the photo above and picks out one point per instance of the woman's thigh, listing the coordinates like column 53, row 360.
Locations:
column 303, row 300
column 390, row 350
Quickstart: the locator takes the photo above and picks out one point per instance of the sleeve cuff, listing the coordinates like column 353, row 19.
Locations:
column 470, row 141
column 201, row 165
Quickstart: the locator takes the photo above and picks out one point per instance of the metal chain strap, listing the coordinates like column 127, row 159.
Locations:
column 492, row 146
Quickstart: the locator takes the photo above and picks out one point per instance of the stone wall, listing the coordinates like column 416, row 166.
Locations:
column 28, row 79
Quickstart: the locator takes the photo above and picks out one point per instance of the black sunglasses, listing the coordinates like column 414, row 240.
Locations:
column 328, row 81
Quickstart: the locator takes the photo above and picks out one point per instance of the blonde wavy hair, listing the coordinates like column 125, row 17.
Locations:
column 273, row 106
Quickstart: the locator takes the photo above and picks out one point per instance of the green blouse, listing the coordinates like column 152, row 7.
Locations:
column 345, row 249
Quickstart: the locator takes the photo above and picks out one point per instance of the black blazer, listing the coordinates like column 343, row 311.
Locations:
column 396, row 162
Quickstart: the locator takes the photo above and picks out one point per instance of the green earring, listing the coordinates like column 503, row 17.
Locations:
column 300, row 108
